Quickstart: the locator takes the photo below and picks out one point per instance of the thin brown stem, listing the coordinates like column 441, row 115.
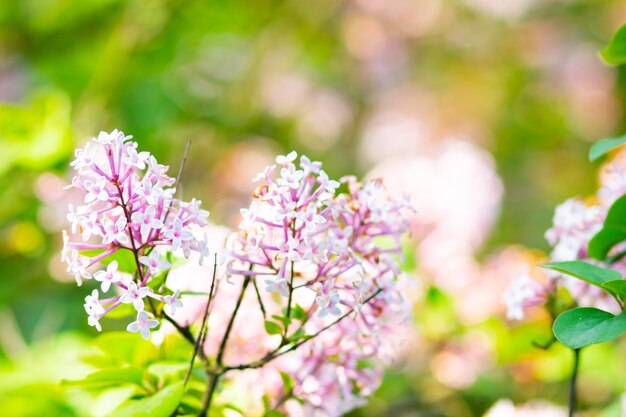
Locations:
column 270, row 356
column 214, row 377
column 203, row 326
column 258, row 296
column 229, row 327
column 291, row 289
column 208, row 395
column 572, row 384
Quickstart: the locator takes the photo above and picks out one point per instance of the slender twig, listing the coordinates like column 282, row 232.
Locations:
column 270, row 356
column 203, row 326
column 258, row 296
column 208, row 395
column 183, row 330
column 572, row 384
column 178, row 178
column 229, row 327
column 215, row 376
column 291, row 289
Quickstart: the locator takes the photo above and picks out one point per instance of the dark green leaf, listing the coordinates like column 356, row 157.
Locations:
column 158, row 281
column 602, row 147
column 585, row 326
column 272, row 328
column 617, row 287
column 613, row 231
column 592, row 274
column 615, row 52
column 161, row 404
column 297, row 335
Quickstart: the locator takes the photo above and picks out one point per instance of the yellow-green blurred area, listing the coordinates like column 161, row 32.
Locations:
column 355, row 84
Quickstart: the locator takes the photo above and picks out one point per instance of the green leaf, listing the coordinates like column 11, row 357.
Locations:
column 158, row 281
column 592, row 274
column 586, row 326
column 234, row 408
column 194, row 293
column 161, row 404
column 126, row 348
column 111, row 398
column 162, row 369
column 615, row 52
column 286, row 321
column 617, row 287
column 110, row 377
column 297, row 335
column 298, row 313
column 125, row 259
column 613, row 231
column 122, row 311
column 288, row 381
column 273, row 413
column 603, row 147
column 272, row 328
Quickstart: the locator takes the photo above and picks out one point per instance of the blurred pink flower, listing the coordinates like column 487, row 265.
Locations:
column 506, row 408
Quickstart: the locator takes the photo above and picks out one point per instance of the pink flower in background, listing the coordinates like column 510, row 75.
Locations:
column 506, row 408
column 457, row 194
column 522, row 293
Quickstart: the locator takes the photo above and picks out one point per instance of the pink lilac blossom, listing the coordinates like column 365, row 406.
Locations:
column 331, row 254
column 129, row 205
column 575, row 222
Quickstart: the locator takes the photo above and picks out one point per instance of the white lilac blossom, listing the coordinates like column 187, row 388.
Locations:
column 142, row 325
column 300, row 236
column 129, row 206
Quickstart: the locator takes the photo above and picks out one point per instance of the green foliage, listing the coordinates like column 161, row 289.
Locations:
column 615, row 52
column 592, row 274
column 272, row 328
column 617, row 287
column 298, row 313
column 585, row 326
column 126, row 349
column 161, row 404
column 613, row 231
column 111, row 377
column 604, row 146
column 36, row 135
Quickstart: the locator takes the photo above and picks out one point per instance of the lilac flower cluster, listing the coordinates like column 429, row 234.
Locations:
column 297, row 233
column 129, row 205
column 575, row 223
column 334, row 254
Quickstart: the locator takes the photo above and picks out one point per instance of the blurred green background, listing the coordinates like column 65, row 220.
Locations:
column 350, row 83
